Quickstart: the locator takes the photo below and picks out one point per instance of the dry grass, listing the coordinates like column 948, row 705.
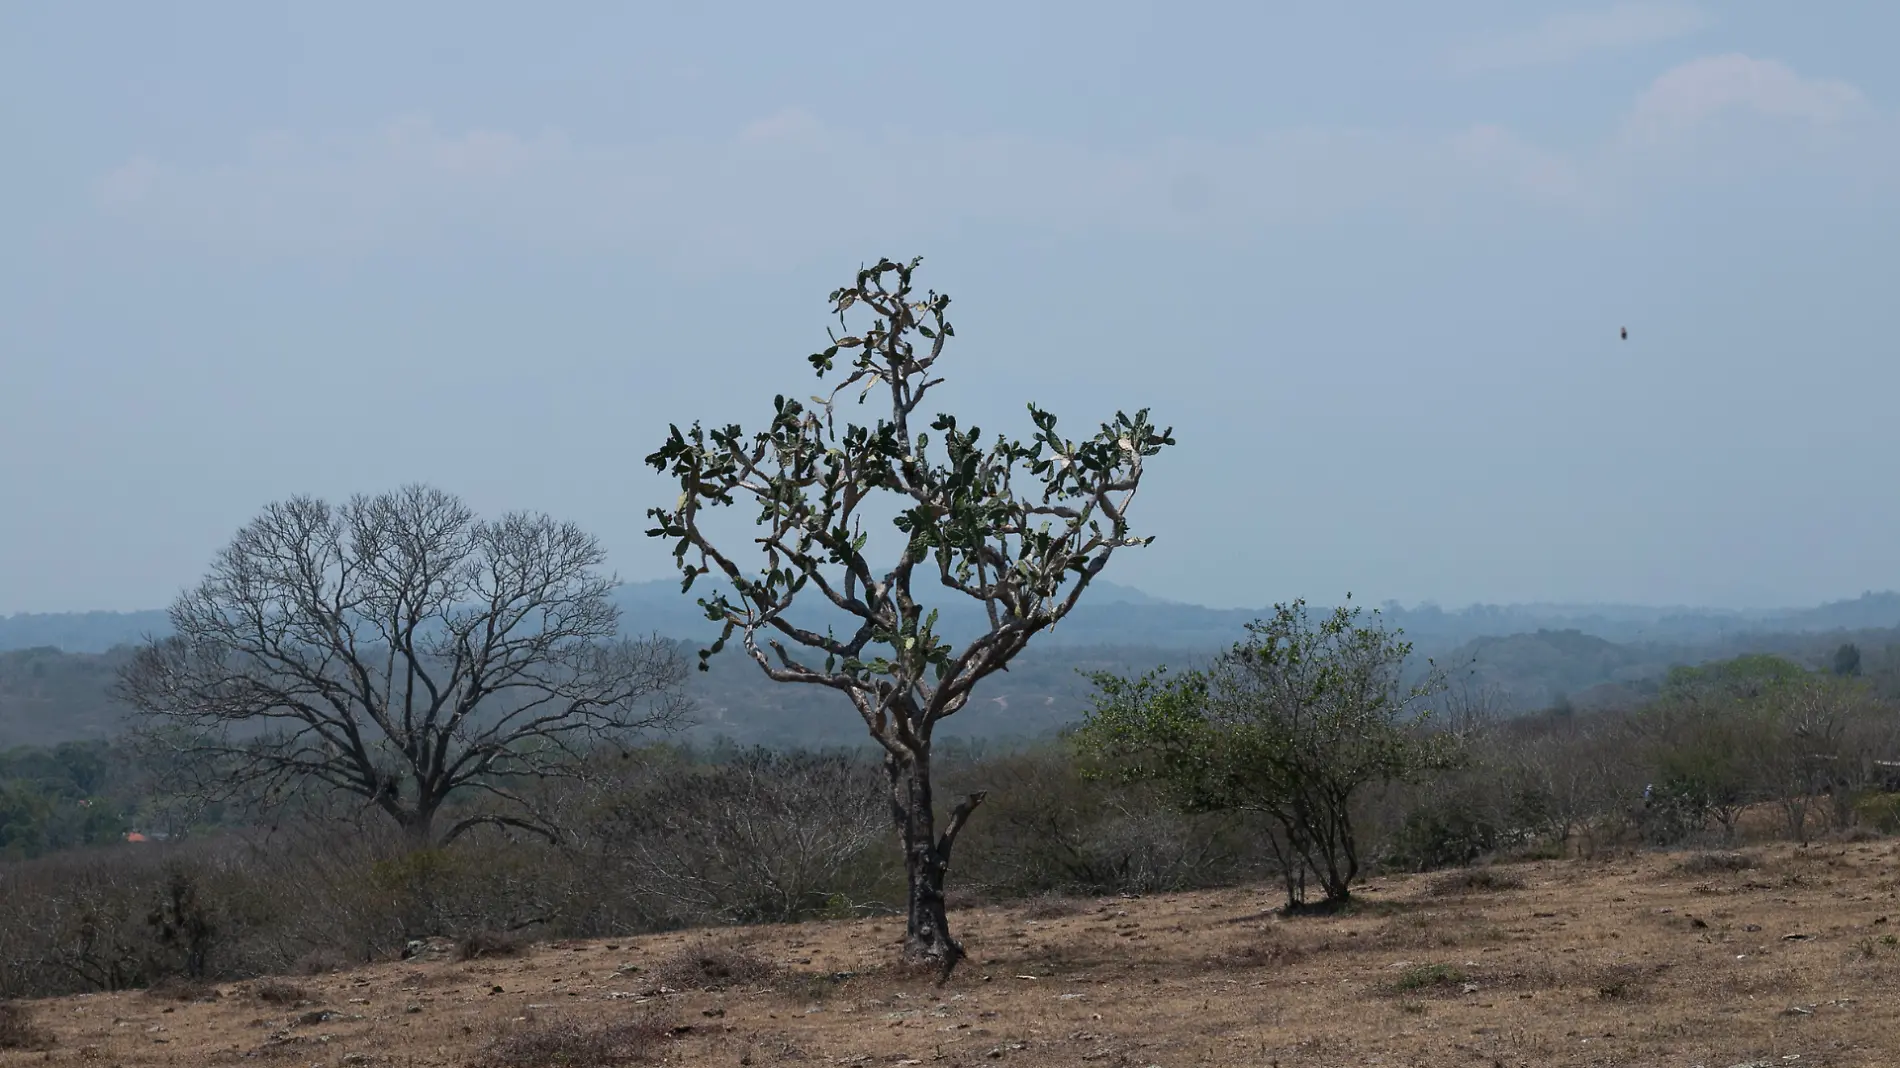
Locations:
column 278, row 992
column 180, row 989
column 571, row 1042
column 1051, row 907
column 490, row 944
column 1714, row 863
column 18, row 1031
column 1629, row 960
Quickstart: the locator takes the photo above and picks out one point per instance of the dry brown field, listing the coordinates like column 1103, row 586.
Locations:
column 1666, row 959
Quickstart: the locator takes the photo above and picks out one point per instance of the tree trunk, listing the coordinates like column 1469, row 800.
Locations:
column 419, row 827
column 926, row 859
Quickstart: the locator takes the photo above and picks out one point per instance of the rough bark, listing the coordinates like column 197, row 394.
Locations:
column 927, row 938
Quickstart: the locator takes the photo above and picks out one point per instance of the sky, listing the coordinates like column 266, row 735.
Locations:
column 1370, row 260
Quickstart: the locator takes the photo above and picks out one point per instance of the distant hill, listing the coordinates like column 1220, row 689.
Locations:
column 49, row 696
column 56, row 669
column 79, row 632
column 1115, row 614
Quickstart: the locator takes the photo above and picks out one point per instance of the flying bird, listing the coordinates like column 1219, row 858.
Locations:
column 1626, row 333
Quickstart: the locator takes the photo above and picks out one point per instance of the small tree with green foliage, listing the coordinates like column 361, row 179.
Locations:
column 1296, row 722
column 1018, row 528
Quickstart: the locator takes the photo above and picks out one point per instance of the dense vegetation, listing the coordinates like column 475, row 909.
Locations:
column 668, row 836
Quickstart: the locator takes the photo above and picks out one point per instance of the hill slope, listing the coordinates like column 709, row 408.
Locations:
column 1582, row 965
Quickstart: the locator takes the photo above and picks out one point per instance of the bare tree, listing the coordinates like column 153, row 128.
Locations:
column 1025, row 556
column 400, row 650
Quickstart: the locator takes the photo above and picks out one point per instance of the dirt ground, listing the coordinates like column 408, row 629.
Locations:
column 1653, row 959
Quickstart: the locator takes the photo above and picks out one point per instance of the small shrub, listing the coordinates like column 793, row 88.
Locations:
column 1268, row 953
column 1428, row 977
column 1714, row 863
column 709, row 966
column 490, row 944
column 1880, row 811
column 573, row 1043
column 19, row 1032
column 278, row 992
column 1618, row 984
column 1476, row 881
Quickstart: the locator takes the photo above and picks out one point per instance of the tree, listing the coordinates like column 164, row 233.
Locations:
column 1295, row 722
column 963, row 521
column 1705, row 734
column 1847, row 660
column 402, row 651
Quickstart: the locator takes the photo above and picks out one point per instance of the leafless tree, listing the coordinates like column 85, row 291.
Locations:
column 399, row 650
column 1469, row 708
column 1020, row 529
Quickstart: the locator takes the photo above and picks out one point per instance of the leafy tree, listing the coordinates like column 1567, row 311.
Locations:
column 1706, row 732
column 399, row 650
column 24, row 817
column 1020, row 528
column 1847, row 660
column 1295, row 722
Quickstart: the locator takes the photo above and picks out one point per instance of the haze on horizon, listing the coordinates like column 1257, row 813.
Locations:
column 1371, row 263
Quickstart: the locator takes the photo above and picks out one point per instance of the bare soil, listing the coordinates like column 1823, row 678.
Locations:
column 1785, row 956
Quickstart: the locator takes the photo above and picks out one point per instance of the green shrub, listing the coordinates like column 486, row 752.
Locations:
column 1880, row 811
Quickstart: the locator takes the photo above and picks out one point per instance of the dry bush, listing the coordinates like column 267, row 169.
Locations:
column 569, row 1042
column 1622, row 982
column 490, row 944
column 1475, row 881
column 1273, row 950
column 1048, row 829
column 1717, row 862
column 278, row 992
column 711, row 966
column 1050, row 907
column 19, row 1032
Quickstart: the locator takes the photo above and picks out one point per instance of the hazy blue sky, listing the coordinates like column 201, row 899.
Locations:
column 1369, row 259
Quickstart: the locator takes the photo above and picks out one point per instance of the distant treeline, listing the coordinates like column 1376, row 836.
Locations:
column 48, row 696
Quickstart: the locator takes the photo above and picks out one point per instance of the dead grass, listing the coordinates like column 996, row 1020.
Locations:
column 278, row 992
column 569, row 1042
column 19, row 1031
column 490, row 944
column 1620, row 961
